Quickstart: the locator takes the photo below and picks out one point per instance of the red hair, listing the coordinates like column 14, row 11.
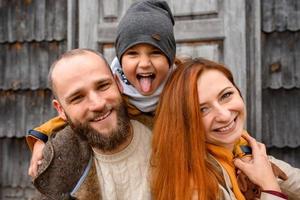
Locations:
column 180, row 165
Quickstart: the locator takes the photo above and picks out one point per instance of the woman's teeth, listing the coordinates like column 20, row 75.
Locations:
column 224, row 129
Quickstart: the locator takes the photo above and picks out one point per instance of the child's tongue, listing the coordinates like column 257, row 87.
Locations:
column 145, row 84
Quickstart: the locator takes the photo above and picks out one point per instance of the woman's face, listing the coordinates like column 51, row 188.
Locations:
column 223, row 109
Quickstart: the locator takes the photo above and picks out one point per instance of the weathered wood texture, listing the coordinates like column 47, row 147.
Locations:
column 290, row 155
column 253, row 44
column 37, row 20
column 32, row 35
column 25, row 65
column 14, row 174
column 14, row 181
column 281, row 116
column 281, row 60
column 280, row 15
column 280, row 71
column 22, row 110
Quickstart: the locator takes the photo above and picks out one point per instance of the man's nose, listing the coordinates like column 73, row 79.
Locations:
column 222, row 113
column 96, row 102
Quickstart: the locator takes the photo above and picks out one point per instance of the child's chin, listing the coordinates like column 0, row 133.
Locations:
column 148, row 93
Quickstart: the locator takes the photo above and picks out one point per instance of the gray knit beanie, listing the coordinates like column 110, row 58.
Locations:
column 150, row 22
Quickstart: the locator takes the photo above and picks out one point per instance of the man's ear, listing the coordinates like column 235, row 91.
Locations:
column 59, row 109
column 118, row 83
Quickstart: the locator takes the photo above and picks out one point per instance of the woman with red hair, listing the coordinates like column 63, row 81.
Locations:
column 200, row 119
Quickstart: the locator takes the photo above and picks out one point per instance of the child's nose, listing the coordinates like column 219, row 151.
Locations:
column 144, row 61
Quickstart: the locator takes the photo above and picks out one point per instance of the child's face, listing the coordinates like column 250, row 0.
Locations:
column 222, row 107
column 145, row 67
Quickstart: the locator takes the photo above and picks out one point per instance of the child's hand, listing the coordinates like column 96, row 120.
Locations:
column 36, row 158
column 259, row 169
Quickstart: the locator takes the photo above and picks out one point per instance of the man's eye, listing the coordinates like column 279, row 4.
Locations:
column 76, row 99
column 103, row 86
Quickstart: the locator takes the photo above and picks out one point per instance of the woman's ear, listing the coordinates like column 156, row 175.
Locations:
column 59, row 109
column 118, row 83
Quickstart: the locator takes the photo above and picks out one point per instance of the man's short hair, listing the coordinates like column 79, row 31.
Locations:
column 69, row 54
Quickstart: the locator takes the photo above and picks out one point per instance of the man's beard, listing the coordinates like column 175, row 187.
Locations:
column 108, row 141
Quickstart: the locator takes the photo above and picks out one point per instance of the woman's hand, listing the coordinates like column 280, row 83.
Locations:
column 36, row 158
column 259, row 169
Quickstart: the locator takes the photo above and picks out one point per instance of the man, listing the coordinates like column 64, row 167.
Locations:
column 100, row 156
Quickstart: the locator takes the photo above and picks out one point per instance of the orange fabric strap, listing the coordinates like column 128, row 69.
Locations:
column 225, row 158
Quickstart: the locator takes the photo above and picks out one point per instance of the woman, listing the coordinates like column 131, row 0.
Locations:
column 199, row 120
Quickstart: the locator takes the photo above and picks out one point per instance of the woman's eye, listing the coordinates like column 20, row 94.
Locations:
column 204, row 110
column 226, row 95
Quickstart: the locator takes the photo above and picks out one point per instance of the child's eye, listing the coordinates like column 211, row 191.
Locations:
column 131, row 52
column 157, row 52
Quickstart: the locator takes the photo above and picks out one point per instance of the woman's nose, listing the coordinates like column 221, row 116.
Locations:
column 223, row 114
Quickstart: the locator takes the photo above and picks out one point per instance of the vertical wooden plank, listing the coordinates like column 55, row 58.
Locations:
column 40, row 20
column 235, row 41
column 88, row 26
column 194, row 7
column 297, row 60
column 254, row 78
column 72, row 24
column 209, row 51
column 110, row 8
column 293, row 22
column 109, row 53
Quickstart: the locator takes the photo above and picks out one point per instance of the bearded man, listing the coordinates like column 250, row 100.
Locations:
column 101, row 154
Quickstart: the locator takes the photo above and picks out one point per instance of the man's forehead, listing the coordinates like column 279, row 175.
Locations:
column 83, row 60
column 84, row 67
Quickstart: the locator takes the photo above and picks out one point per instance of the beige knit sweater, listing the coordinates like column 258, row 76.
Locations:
column 124, row 175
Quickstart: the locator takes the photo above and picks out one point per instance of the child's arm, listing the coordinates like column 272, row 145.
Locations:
column 43, row 131
column 36, row 158
column 37, row 138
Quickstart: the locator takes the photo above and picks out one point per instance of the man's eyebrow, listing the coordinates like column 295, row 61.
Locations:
column 79, row 90
column 72, row 94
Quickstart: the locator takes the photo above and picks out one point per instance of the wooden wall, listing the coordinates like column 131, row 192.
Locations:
column 32, row 35
column 280, row 38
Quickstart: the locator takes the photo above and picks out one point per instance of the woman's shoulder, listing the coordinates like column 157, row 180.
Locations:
column 291, row 186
